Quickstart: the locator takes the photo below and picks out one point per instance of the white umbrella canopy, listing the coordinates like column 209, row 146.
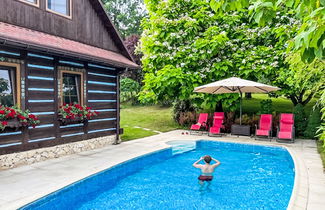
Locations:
column 235, row 85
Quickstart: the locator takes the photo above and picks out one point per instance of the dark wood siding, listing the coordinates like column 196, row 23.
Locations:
column 85, row 25
column 41, row 91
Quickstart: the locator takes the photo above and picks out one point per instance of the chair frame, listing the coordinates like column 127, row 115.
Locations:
column 269, row 137
column 292, row 140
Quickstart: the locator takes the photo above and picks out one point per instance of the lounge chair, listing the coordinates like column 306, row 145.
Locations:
column 286, row 131
column 218, row 118
column 265, row 127
column 202, row 123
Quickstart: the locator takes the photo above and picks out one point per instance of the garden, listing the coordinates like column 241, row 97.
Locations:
column 184, row 44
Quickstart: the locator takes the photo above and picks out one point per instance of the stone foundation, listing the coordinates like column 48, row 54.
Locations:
column 37, row 155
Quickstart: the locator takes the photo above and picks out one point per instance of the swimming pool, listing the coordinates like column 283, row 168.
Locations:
column 249, row 177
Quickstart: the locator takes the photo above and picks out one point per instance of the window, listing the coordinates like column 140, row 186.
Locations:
column 72, row 87
column 32, row 2
column 61, row 7
column 8, row 86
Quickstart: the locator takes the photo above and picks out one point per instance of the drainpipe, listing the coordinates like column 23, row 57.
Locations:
column 117, row 139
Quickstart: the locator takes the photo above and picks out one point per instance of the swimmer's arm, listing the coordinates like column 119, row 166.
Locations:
column 196, row 165
column 217, row 162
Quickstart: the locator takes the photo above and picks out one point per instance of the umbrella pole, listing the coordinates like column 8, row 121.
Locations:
column 241, row 98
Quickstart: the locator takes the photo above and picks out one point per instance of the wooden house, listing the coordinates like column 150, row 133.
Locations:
column 54, row 52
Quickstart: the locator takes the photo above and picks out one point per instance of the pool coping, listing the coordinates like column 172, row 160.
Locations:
column 299, row 198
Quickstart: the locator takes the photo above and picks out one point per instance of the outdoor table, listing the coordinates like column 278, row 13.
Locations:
column 241, row 130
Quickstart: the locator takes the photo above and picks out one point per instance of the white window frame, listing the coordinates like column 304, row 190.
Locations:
column 60, row 14
column 30, row 3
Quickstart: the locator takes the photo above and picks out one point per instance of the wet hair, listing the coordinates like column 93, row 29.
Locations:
column 207, row 158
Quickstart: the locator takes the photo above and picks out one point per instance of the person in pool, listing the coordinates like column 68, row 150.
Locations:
column 207, row 169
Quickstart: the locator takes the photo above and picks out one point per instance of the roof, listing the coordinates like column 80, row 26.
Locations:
column 55, row 44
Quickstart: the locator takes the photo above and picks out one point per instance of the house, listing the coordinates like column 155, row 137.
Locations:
column 54, row 52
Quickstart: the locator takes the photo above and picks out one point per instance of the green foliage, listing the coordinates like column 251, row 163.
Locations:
column 266, row 106
column 313, row 124
column 310, row 40
column 126, row 15
column 301, row 81
column 300, row 120
column 184, row 112
column 186, row 44
column 129, row 90
column 321, row 130
column 4, row 85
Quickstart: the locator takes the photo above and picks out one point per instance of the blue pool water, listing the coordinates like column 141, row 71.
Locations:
column 249, row 177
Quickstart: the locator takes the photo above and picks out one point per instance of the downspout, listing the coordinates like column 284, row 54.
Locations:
column 117, row 139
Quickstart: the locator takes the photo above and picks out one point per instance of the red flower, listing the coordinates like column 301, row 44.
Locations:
column 4, row 123
column 21, row 117
column 2, row 112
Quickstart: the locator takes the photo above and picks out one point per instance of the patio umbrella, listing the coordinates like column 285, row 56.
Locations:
column 235, row 85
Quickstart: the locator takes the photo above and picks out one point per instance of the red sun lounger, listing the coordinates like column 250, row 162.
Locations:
column 265, row 126
column 286, row 130
column 218, row 118
column 202, row 122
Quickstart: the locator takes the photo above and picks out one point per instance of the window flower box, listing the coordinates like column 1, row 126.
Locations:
column 75, row 113
column 14, row 118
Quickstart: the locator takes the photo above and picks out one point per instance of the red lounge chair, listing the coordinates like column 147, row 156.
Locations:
column 265, row 126
column 202, row 122
column 287, row 129
column 218, row 118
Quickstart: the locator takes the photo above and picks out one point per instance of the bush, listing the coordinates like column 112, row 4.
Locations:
column 300, row 120
column 184, row 112
column 313, row 123
column 129, row 90
column 266, row 107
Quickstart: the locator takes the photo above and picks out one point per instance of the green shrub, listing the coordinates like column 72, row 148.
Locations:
column 266, row 107
column 300, row 120
column 313, row 124
column 184, row 112
column 129, row 90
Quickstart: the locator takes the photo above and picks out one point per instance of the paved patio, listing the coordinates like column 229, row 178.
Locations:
column 22, row 185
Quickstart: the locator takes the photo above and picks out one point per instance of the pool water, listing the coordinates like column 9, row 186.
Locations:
column 249, row 177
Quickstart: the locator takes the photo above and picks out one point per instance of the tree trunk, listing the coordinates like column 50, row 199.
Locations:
column 218, row 107
column 293, row 100
column 248, row 95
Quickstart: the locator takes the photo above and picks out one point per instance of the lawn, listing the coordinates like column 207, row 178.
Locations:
column 158, row 118
column 151, row 117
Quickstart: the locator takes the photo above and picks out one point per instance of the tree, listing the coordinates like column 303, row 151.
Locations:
column 301, row 81
column 4, row 85
column 126, row 15
column 310, row 39
column 186, row 44
column 131, row 42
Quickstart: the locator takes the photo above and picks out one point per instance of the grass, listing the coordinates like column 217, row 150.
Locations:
column 280, row 104
column 321, row 151
column 135, row 133
column 151, row 117
column 160, row 118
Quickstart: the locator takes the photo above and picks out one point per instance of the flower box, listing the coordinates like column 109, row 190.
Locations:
column 76, row 120
column 75, row 113
column 13, row 117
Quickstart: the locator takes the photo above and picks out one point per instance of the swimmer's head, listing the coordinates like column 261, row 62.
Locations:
column 207, row 158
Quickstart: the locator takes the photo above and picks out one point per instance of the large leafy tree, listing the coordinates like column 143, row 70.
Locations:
column 301, row 81
column 187, row 44
column 126, row 15
column 310, row 39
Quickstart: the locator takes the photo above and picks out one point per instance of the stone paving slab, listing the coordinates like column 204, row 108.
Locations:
column 25, row 184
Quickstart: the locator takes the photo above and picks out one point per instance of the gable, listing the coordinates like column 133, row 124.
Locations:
column 89, row 23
